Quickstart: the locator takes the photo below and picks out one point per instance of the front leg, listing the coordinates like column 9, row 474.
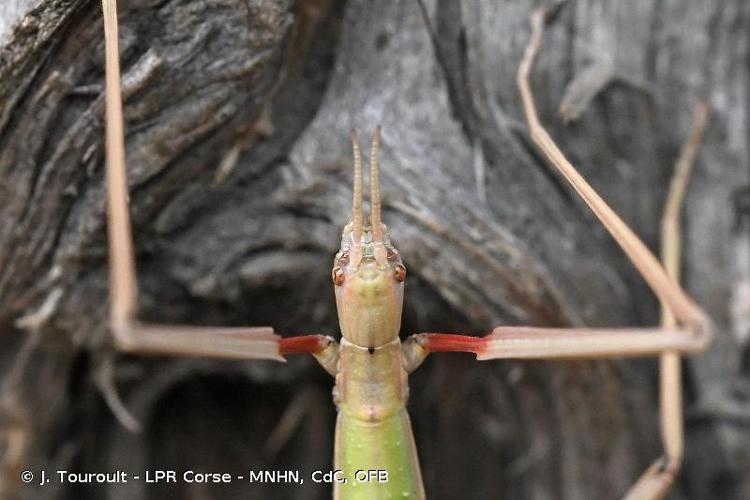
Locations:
column 131, row 335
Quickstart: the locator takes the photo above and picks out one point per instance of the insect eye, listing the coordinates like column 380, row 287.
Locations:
column 400, row 273
column 338, row 276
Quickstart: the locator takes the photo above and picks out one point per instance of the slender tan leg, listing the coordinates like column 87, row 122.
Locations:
column 689, row 333
column 657, row 479
column 685, row 328
column 667, row 290
column 129, row 334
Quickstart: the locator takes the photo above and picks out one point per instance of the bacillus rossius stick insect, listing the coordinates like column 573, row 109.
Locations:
column 370, row 363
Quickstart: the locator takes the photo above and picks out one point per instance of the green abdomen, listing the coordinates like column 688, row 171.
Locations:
column 365, row 449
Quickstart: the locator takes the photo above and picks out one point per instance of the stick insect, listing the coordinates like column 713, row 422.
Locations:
column 370, row 363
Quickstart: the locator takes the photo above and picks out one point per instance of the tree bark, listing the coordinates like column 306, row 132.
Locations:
column 237, row 116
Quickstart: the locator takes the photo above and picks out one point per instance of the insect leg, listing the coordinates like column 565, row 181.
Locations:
column 687, row 313
column 685, row 328
column 657, row 479
column 690, row 333
column 129, row 334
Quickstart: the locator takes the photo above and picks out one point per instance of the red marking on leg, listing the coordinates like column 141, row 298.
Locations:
column 304, row 344
column 448, row 342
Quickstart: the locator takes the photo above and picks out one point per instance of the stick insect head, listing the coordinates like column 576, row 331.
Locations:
column 367, row 272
